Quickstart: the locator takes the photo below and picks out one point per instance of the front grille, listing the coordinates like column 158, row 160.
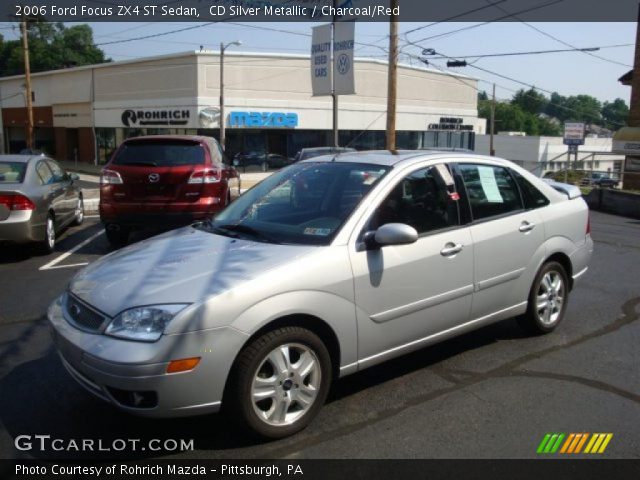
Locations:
column 82, row 316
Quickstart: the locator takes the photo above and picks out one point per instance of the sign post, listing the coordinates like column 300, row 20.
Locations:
column 573, row 136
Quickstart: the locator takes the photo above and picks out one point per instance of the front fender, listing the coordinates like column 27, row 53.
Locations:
column 337, row 312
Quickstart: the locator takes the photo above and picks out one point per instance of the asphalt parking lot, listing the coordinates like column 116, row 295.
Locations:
column 493, row 393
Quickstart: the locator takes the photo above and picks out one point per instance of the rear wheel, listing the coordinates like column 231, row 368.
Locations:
column 79, row 212
column 117, row 235
column 547, row 299
column 48, row 244
column 281, row 381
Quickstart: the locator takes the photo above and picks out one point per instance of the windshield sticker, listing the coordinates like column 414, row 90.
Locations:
column 317, row 231
column 490, row 185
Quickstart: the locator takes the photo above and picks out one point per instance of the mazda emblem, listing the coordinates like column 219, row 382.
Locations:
column 154, row 177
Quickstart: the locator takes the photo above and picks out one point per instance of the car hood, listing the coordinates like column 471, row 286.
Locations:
column 182, row 266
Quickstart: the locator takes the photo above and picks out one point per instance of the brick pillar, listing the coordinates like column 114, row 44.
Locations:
column 86, row 150
column 60, row 136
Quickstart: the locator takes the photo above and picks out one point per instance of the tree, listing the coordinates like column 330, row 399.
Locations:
column 483, row 95
column 51, row 46
column 615, row 114
column 530, row 101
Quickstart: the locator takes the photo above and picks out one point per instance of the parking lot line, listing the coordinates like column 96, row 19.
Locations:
column 55, row 261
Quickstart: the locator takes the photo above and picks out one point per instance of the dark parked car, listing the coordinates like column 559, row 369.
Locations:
column 597, row 179
column 164, row 181
column 37, row 199
column 264, row 160
column 306, row 153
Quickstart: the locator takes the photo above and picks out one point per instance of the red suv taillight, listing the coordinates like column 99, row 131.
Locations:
column 208, row 175
column 110, row 177
column 17, row 202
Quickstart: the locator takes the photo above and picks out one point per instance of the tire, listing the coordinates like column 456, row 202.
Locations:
column 48, row 244
column 289, row 399
column 547, row 300
column 117, row 237
column 79, row 213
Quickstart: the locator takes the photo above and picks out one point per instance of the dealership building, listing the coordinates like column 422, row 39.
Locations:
column 84, row 113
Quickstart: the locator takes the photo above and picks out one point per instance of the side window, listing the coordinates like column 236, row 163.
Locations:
column 491, row 190
column 44, row 172
column 58, row 173
column 421, row 200
column 533, row 198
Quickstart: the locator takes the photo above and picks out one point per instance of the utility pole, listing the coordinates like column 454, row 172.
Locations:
column 334, row 96
column 492, row 150
column 27, row 83
column 223, row 47
column 392, row 82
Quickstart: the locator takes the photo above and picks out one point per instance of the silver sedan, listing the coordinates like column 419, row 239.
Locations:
column 37, row 199
column 325, row 268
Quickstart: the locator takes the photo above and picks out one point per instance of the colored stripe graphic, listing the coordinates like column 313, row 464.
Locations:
column 598, row 442
column 573, row 443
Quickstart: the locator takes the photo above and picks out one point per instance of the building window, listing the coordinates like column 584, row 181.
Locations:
column 106, row 140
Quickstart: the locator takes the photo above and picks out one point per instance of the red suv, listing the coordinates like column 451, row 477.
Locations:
column 159, row 181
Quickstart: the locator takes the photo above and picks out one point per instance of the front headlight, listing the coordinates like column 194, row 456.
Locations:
column 145, row 324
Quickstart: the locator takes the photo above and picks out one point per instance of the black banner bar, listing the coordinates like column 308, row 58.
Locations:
column 320, row 10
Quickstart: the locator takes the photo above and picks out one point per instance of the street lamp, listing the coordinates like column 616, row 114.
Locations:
column 223, row 47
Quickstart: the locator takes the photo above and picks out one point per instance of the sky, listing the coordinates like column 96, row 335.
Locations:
column 568, row 73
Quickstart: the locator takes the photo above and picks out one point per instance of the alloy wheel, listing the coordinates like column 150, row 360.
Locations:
column 286, row 384
column 550, row 297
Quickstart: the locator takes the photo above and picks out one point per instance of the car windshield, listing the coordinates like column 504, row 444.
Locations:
column 304, row 204
column 160, row 153
column 12, row 172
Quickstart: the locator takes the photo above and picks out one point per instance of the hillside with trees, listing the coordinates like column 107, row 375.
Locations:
column 536, row 114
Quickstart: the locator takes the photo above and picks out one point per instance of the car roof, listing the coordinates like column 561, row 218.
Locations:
column 19, row 158
column 394, row 157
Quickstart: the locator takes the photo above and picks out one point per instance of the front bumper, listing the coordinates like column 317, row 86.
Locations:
column 124, row 372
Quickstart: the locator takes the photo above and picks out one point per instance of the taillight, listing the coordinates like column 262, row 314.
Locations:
column 17, row 202
column 110, row 177
column 205, row 176
column 588, row 232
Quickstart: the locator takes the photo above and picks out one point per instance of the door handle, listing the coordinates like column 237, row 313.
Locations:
column 526, row 226
column 451, row 249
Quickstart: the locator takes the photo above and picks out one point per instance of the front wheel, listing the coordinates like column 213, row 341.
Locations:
column 547, row 299
column 281, row 381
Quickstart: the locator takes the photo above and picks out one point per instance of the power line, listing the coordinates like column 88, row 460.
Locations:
column 536, row 52
column 503, row 17
column 566, row 44
column 453, row 17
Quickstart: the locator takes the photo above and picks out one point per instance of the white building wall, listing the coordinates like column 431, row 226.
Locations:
column 549, row 153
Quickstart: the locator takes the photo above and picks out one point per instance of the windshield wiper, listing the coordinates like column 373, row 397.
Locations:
column 245, row 229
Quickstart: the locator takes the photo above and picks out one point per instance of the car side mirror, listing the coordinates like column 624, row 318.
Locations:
column 390, row 234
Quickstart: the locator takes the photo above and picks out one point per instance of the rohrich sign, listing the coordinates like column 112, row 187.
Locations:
column 263, row 119
column 160, row 117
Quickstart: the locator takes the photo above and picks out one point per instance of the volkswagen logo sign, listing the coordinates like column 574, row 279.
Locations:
column 154, row 177
column 344, row 63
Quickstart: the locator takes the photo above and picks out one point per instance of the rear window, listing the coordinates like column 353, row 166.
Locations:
column 12, row 172
column 160, row 154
